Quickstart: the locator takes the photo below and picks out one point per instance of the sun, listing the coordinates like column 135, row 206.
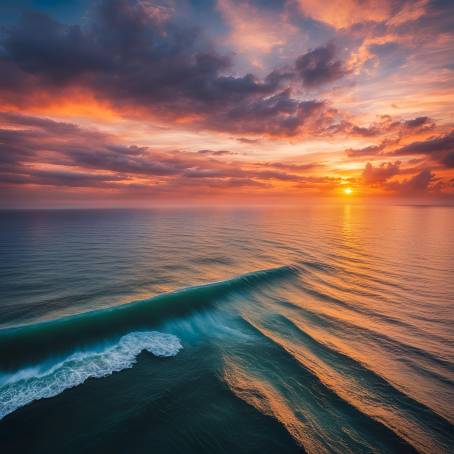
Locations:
column 348, row 191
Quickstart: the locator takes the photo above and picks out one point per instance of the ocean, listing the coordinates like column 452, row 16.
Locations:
column 319, row 329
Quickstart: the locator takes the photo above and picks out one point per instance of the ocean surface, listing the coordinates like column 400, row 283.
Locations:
column 322, row 329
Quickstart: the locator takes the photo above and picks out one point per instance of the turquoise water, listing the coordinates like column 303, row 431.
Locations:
column 319, row 329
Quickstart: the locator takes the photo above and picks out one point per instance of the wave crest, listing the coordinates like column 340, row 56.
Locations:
column 26, row 386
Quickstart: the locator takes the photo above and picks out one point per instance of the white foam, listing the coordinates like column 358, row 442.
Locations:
column 31, row 384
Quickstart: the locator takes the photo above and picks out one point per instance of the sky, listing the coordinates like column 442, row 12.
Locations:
column 180, row 102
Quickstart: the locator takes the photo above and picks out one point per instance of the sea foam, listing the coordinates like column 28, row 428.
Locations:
column 25, row 386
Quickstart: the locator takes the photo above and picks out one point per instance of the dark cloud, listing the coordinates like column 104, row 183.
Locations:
column 432, row 145
column 419, row 122
column 438, row 148
column 61, row 178
column 134, row 58
column 216, row 152
column 11, row 118
column 50, row 154
column 14, row 146
column 279, row 114
column 371, row 150
column 320, row 66
column 416, row 184
column 69, row 156
column 448, row 160
column 386, row 125
column 43, row 47
column 294, row 167
column 382, row 176
column 394, row 131
column 247, row 140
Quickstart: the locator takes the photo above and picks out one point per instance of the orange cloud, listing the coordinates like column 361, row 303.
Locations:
column 251, row 31
column 344, row 13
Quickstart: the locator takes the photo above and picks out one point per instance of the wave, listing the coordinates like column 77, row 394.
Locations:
column 267, row 400
column 65, row 352
column 26, row 343
column 28, row 385
column 364, row 390
column 330, row 322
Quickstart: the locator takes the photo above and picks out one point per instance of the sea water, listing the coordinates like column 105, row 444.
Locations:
column 314, row 329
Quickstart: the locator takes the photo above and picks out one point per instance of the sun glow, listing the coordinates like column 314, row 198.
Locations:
column 348, row 191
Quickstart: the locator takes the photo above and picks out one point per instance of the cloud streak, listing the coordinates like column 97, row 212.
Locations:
column 43, row 152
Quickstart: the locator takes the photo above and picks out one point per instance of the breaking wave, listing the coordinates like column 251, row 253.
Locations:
column 41, row 382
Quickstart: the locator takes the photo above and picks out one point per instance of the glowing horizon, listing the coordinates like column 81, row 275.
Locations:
column 137, row 103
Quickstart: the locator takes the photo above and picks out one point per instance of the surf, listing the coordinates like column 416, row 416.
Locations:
column 44, row 381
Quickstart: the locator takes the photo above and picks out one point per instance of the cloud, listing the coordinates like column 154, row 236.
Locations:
column 139, row 62
column 386, row 176
column 345, row 13
column 419, row 122
column 432, row 145
column 146, row 62
column 61, row 178
column 409, row 12
column 439, row 148
column 377, row 175
column 395, row 131
column 57, row 156
column 371, row 150
column 11, row 118
column 204, row 75
column 251, row 30
column 217, row 152
column 247, row 140
column 417, row 184
column 448, row 160
column 320, row 66
column 342, row 14
column 276, row 115
column 294, row 167
column 43, row 152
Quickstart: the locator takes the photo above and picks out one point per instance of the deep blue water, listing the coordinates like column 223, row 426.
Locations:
column 319, row 329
